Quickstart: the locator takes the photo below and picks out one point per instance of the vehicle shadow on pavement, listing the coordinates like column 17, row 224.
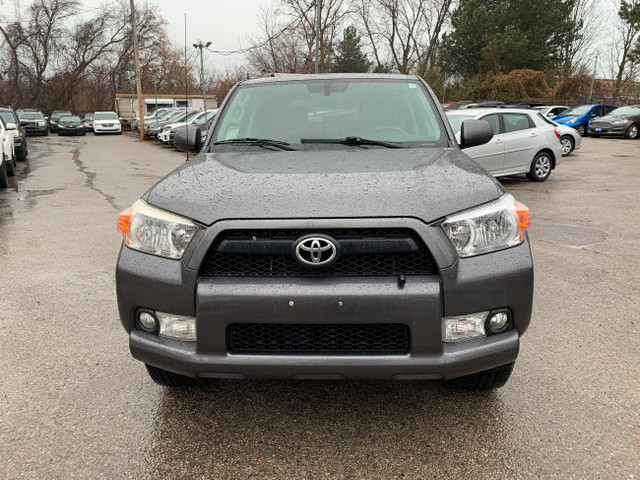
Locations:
column 323, row 428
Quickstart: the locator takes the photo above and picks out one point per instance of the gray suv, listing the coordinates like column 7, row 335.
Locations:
column 330, row 228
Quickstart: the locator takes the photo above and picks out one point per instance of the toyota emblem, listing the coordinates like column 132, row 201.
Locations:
column 316, row 251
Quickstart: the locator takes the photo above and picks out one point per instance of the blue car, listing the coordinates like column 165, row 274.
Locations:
column 578, row 117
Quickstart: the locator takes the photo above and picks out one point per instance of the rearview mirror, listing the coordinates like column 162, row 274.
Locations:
column 188, row 138
column 474, row 133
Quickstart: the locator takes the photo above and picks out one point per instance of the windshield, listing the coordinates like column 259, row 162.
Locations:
column 378, row 109
column 7, row 116
column 57, row 115
column 578, row 111
column 70, row 118
column 175, row 117
column 456, row 121
column 88, row 116
column 105, row 116
column 201, row 118
column 31, row 116
column 192, row 115
column 622, row 111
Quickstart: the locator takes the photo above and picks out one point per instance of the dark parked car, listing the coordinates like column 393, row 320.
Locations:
column 323, row 235
column 34, row 123
column 55, row 118
column 71, row 125
column 578, row 117
column 621, row 122
column 88, row 121
column 21, row 146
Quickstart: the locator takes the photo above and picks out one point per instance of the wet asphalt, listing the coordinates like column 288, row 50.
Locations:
column 74, row 404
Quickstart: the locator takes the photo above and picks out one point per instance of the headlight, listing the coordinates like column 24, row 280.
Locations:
column 151, row 230
column 573, row 120
column 16, row 133
column 621, row 122
column 492, row 227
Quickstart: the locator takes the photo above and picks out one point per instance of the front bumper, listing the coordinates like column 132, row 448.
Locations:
column 71, row 131
column 104, row 129
column 617, row 131
column 164, row 136
column 498, row 280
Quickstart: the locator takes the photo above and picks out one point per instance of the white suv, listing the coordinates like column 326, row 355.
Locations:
column 106, row 122
column 7, row 157
column 523, row 142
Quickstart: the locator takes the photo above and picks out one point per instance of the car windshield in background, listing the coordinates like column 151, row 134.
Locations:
column 106, row 116
column 31, row 116
column 577, row 111
column 625, row 111
column 7, row 116
column 56, row 116
column 70, row 118
column 456, row 121
column 288, row 111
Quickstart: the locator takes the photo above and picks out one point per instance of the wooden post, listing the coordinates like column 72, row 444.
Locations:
column 134, row 29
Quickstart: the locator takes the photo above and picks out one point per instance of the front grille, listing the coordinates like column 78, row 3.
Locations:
column 600, row 124
column 338, row 339
column 373, row 252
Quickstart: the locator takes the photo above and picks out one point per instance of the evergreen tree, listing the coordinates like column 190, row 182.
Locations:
column 504, row 35
column 350, row 58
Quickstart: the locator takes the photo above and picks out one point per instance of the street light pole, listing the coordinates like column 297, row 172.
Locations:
column 593, row 79
column 155, row 89
column 318, row 18
column 201, row 46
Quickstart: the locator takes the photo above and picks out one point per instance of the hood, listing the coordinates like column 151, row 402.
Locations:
column 566, row 118
column 423, row 183
column 613, row 118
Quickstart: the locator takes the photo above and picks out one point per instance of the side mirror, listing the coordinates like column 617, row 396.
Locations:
column 474, row 133
column 46, row 118
column 188, row 138
column 11, row 126
column 120, row 118
column 593, row 115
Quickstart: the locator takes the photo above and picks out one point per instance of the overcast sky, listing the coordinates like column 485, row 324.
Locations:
column 229, row 24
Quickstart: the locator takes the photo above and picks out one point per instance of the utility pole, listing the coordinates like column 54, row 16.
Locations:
column 202, row 46
column 155, row 90
column 593, row 78
column 134, row 32
column 318, row 18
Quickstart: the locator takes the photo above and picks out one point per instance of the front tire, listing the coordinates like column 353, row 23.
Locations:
column 483, row 381
column 11, row 167
column 541, row 167
column 4, row 181
column 567, row 145
column 165, row 378
column 582, row 130
column 632, row 132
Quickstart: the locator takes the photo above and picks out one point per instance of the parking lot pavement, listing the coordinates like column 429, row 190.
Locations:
column 76, row 405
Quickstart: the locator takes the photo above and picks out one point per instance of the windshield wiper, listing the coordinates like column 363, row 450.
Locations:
column 352, row 141
column 259, row 141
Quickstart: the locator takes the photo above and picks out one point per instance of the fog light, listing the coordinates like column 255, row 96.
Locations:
column 147, row 322
column 464, row 327
column 498, row 321
column 178, row 327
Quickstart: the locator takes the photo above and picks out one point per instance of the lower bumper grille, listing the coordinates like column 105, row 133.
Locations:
column 336, row 339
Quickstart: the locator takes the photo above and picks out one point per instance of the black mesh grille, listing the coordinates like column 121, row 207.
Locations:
column 417, row 262
column 260, row 338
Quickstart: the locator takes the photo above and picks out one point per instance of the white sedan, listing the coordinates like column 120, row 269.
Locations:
column 7, row 157
column 524, row 142
column 106, row 122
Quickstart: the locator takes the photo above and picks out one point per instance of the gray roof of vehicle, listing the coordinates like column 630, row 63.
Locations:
column 329, row 76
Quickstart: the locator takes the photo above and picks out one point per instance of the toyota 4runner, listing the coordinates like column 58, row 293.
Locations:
column 330, row 228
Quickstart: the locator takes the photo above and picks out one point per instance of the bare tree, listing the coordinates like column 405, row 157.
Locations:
column 577, row 49
column 404, row 33
column 624, row 45
column 287, row 43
